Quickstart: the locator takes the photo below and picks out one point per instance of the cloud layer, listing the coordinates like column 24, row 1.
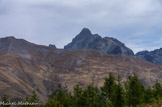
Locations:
column 137, row 23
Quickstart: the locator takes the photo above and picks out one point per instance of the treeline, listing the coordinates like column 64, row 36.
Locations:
column 113, row 93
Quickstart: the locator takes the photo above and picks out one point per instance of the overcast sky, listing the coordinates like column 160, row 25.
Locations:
column 136, row 23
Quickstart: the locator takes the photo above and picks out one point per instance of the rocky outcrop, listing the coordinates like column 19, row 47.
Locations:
column 152, row 56
column 52, row 46
column 86, row 40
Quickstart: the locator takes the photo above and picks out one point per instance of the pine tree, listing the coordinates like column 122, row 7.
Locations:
column 33, row 99
column 79, row 98
column 53, row 103
column 134, row 91
column 148, row 95
column 109, row 103
column 107, row 88
column 4, row 99
column 157, row 91
column 64, row 98
column 93, row 97
column 118, row 97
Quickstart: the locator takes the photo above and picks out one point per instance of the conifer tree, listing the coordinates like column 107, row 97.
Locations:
column 118, row 96
column 64, row 98
column 79, row 98
column 134, row 91
column 53, row 103
column 107, row 88
column 109, row 103
column 148, row 95
column 157, row 91
column 4, row 99
column 93, row 97
column 33, row 99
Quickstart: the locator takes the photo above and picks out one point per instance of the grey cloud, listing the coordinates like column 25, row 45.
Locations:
column 137, row 23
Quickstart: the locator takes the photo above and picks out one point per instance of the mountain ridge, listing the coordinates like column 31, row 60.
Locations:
column 86, row 40
column 154, row 56
column 47, row 68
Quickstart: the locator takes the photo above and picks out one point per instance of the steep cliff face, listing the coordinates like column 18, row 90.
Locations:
column 86, row 40
column 152, row 56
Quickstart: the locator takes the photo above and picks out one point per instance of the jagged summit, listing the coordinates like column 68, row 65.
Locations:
column 85, row 31
column 86, row 40
column 84, row 34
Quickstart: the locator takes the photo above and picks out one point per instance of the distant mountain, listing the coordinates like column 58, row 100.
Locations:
column 152, row 56
column 86, row 40
column 20, row 47
column 25, row 67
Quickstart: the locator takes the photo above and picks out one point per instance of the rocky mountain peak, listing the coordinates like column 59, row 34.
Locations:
column 85, row 31
column 84, row 35
column 86, row 40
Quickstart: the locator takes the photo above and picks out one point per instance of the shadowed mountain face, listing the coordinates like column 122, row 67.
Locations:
column 86, row 40
column 25, row 67
column 152, row 56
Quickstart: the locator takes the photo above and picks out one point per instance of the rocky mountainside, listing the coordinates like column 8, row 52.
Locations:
column 152, row 56
column 25, row 67
column 86, row 40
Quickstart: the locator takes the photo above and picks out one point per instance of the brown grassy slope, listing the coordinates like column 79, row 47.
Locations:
column 45, row 71
column 83, row 67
